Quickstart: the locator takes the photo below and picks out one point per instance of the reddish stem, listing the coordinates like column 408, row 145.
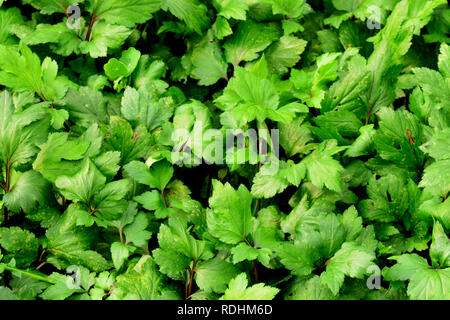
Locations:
column 8, row 173
column 121, row 235
column 255, row 271
column 90, row 211
column 91, row 24
column 41, row 265
column 369, row 114
column 62, row 6
column 191, row 279
column 163, row 198
column 42, row 254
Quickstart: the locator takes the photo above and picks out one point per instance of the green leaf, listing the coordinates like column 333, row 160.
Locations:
column 232, row 9
column 108, row 163
column 363, row 145
column 351, row 260
column 347, row 92
column 115, row 69
column 285, row 53
column 249, row 39
column 85, row 106
column 221, row 28
column 208, row 65
column 433, row 84
column 322, row 169
column 119, row 253
column 230, row 216
column 61, row 39
column 20, row 132
column 439, row 145
column 345, row 5
column 440, row 247
column 83, row 185
column 27, row 288
column 50, row 6
column 430, row 285
column 148, row 72
column 243, row 252
column 171, row 263
column 407, row 265
column 268, row 232
column 29, row 190
column 23, row 72
column 292, row 26
column 127, row 217
column 436, row 178
column 308, row 288
column 190, row 11
column 66, row 41
column 57, row 155
column 346, row 123
column 266, row 184
column 58, row 118
column 238, row 290
column 388, row 199
column 214, row 275
column 294, row 137
column 290, row 222
column 292, row 258
column 177, row 248
column 142, row 107
column 8, row 18
column 103, row 37
column 352, row 224
column 7, row 294
column 109, row 202
column 425, row 283
column 153, row 201
column 444, row 58
column 132, row 144
column 157, row 176
column 136, row 232
column 188, row 120
column 70, row 244
column 250, row 88
column 310, row 86
column 127, row 12
column 141, row 282
column 290, row 8
column 319, row 237
column 249, row 95
column 21, row 244
column 62, row 288
column 399, row 137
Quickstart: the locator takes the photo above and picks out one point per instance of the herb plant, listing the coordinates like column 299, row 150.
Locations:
column 224, row 149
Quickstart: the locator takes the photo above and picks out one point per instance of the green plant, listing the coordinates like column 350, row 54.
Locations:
column 254, row 149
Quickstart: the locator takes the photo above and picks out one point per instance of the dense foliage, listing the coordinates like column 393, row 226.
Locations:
column 119, row 181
